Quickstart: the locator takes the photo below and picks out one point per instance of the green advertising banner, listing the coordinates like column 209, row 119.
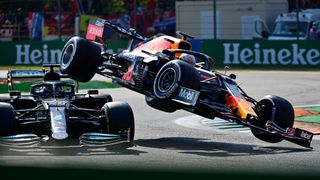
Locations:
column 263, row 53
column 33, row 53
column 234, row 53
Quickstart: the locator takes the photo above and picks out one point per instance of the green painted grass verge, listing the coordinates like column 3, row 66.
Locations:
column 312, row 119
column 98, row 85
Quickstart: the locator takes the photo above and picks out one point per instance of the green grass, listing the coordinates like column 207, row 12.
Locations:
column 98, row 85
column 25, row 86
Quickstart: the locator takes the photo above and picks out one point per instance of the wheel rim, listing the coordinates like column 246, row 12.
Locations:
column 167, row 80
column 67, row 54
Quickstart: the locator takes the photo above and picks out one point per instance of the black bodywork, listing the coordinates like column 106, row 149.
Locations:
column 55, row 111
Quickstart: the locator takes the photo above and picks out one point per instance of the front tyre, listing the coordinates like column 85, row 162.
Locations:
column 8, row 123
column 80, row 59
column 276, row 109
column 118, row 118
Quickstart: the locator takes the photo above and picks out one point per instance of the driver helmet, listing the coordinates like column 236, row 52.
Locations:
column 188, row 58
column 59, row 92
column 47, row 92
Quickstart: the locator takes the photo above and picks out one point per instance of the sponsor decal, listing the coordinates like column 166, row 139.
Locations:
column 187, row 96
column 291, row 131
column 295, row 55
column 27, row 55
column 305, row 135
column 94, row 31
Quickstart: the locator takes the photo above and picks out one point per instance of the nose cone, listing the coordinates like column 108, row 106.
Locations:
column 60, row 135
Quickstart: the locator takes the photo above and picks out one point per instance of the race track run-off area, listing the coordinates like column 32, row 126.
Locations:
column 306, row 117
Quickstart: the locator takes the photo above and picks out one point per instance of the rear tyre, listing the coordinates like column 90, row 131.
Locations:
column 119, row 118
column 80, row 59
column 172, row 75
column 278, row 110
column 8, row 123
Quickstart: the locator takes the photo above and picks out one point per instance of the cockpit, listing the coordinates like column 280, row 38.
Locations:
column 53, row 90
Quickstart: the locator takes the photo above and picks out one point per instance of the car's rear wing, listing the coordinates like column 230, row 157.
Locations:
column 97, row 29
column 14, row 74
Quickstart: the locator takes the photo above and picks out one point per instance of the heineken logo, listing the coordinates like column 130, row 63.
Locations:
column 234, row 53
column 27, row 55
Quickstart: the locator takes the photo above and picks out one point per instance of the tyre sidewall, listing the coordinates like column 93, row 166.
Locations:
column 66, row 61
column 119, row 118
column 174, row 68
column 185, row 75
column 84, row 60
column 8, row 123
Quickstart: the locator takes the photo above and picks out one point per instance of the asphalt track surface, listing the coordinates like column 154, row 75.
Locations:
column 163, row 142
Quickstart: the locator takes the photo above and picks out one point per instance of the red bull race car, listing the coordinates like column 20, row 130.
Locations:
column 172, row 76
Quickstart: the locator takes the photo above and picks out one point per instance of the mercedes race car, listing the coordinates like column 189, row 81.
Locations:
column 156, row 67
column 53, row 111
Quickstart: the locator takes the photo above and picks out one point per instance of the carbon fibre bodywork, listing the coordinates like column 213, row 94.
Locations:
column 55, row 111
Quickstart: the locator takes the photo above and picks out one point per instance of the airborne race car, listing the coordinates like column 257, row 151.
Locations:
column 151, row 66
column 54, row 112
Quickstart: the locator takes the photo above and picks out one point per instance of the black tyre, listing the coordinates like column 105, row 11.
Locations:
column 172, row 75
column 8, row 123
column 278, row 110
column 163, row 105
column 119, row 118
column 80, row 59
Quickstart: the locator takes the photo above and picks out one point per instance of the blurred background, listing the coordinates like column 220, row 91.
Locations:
column 44, row 26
